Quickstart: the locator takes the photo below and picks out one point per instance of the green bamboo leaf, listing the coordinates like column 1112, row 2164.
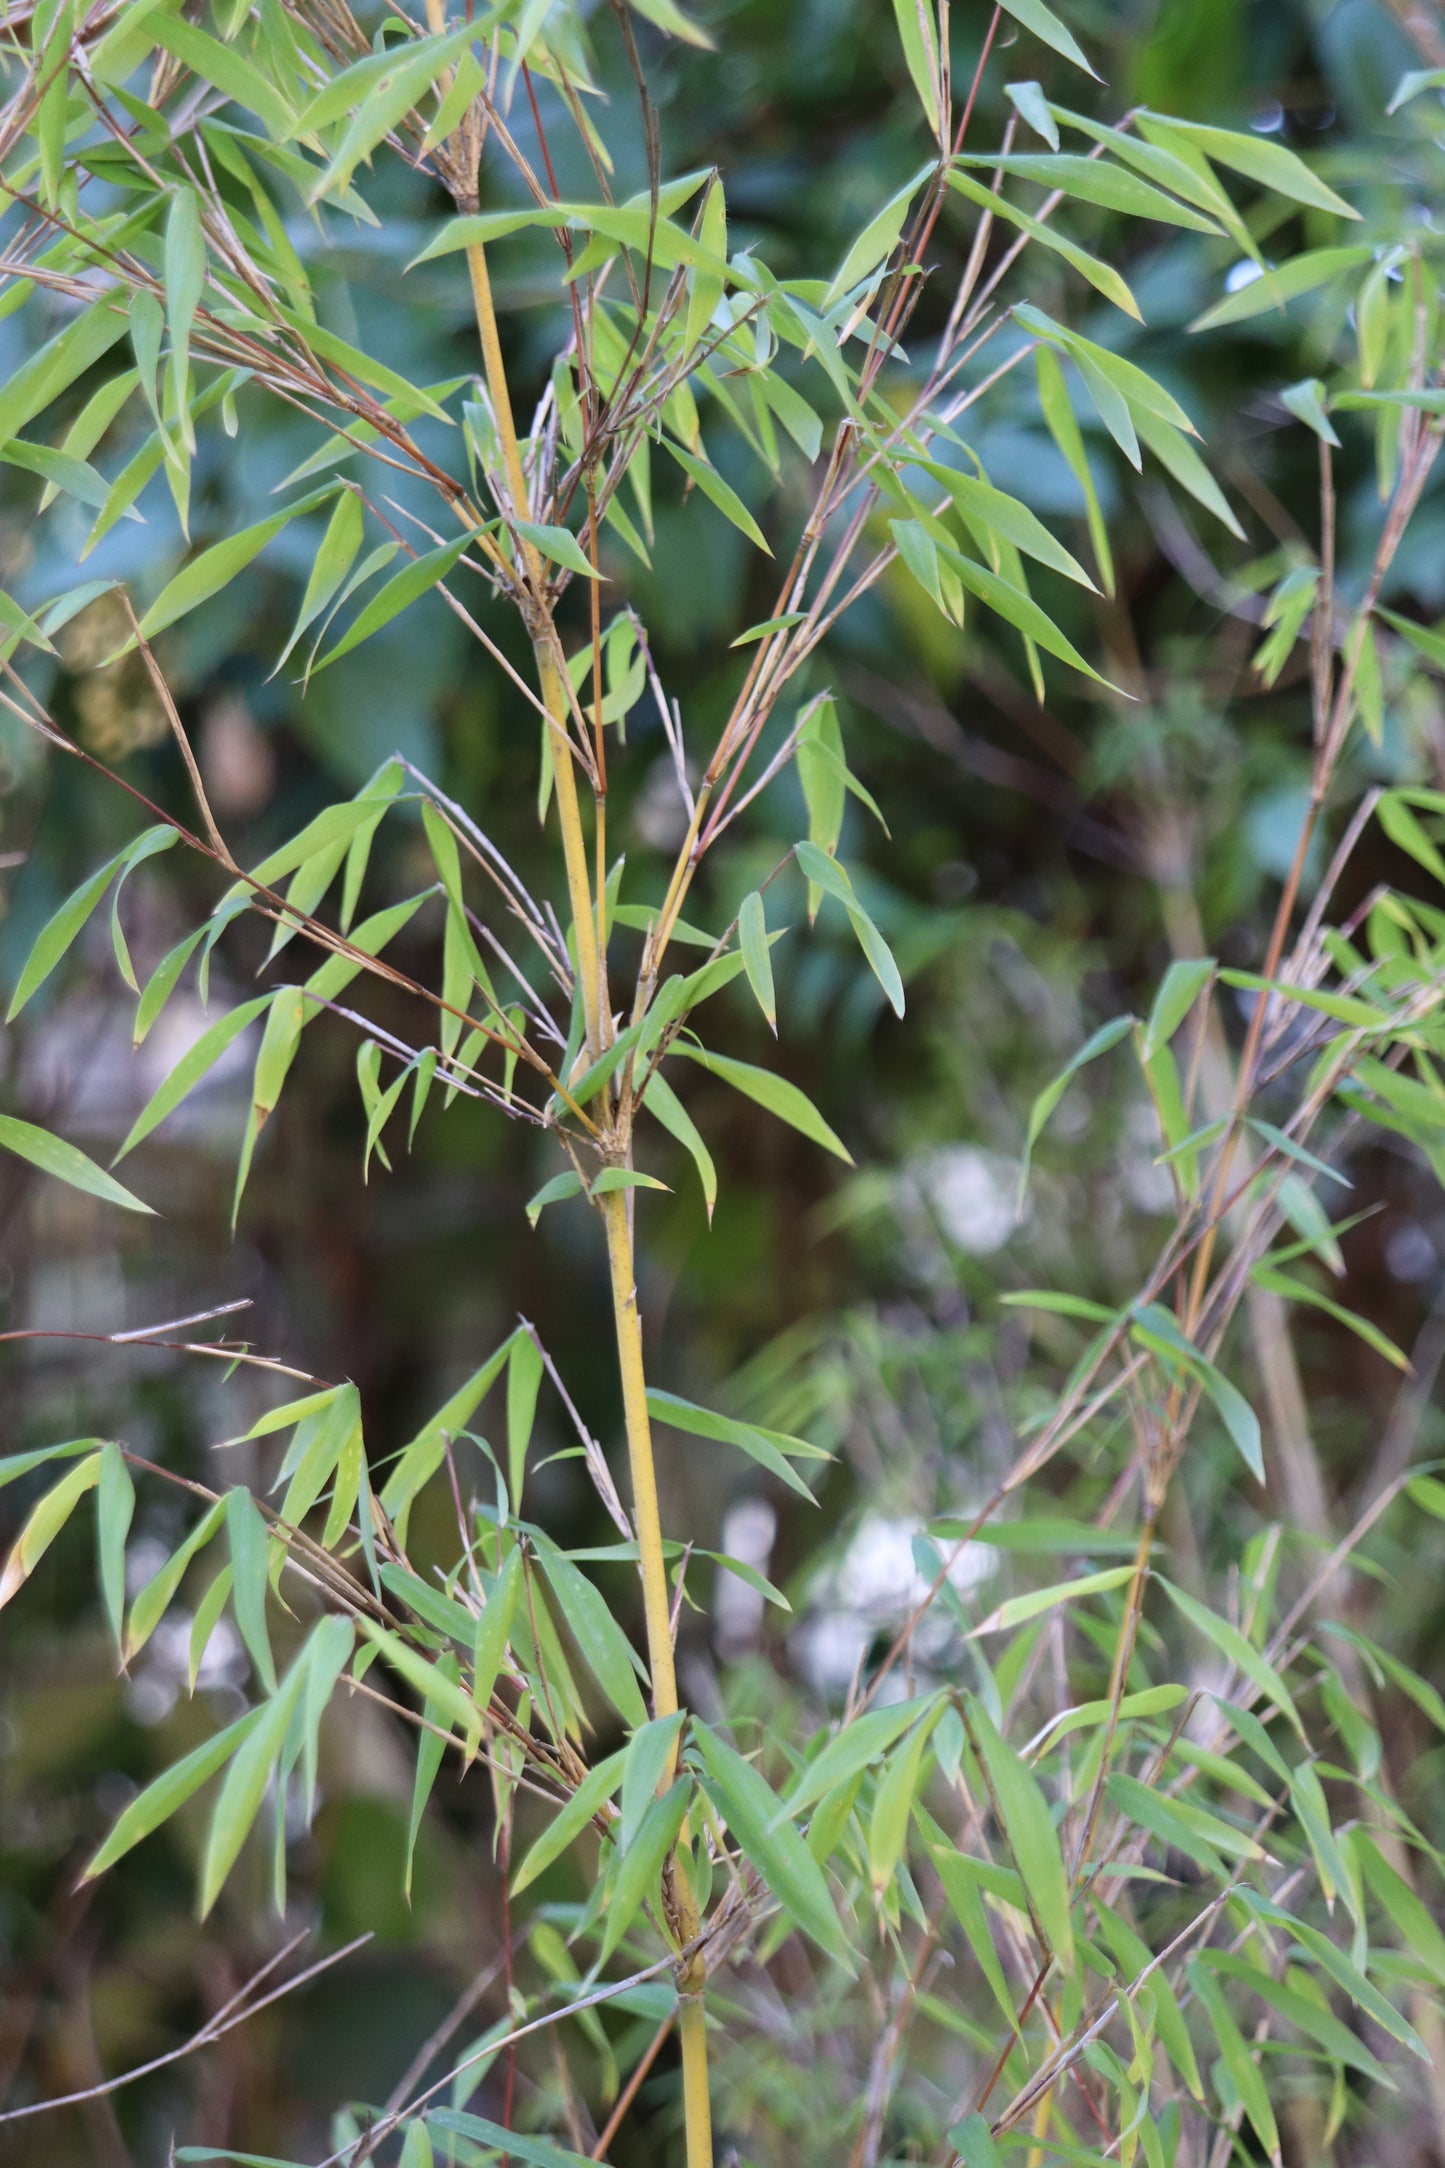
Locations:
column 1241, row 1653
column 856, row 1746
column 1273, row 289
column 1149, row 1701
column 614, row 1178
column 1201, row 1836
column 315, row 1454
column 1106, row 1036
column 208, row 1612
column 1245, row 2075
column 1180, row 988
column 972, row 2140
column 707, row 286
column 162, row 983
column 20, row 625
column 773, row 1092
column 918, row 35
column 1064, row 428
column 669, row 17
column 1306, row 401
column 185, row 282
column 114, row 1506
column 153, row 1601
column 223, row 66
column 409, row 70
column 420, row 1459
column 1303, row 2012
column 56, row 365
column 753, row 939
column 489, row 1647
column 605, row 1647
column 591, row 1795
column 52, row 1155
column 1101, row 276
column 1019, row 609
column 59, row 933
column 430, row 1748
column 239, row 1800
column 1293, row 1290
column 892, row 1806
column 427, row 1679
column 334, row 559
column 823, row 871
column 1254, row 156
column 214, row 569
column 1157, row 1328
column 995, row 512
column 771, row 1843
column 558, row 544
column 1420, row 1936
column 524, row 1376
column 962, row 1885
column 769, row 1448
column 1094, row 180
column 553, row 1192
column 713, row 487
column 877, row 241
column 403, row 588
column 250, row 1543
column 642, row 1862
column 1029, row 1829
column 650, row 1753
column 169, row 1791
column 195, row 1063
column 1046, row 26
column 1341, row 1970
column 60, row 471
column 519, row 2145
column 44, row 1523
column 1018, row 1609
column 675, row 1119
column 1032, row 107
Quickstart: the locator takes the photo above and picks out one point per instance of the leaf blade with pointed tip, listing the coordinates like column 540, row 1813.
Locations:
column 753, row 939
column 773, row 1092
column 52, row 1155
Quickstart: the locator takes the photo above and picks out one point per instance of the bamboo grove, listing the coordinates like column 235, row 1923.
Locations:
column 1128, row 1914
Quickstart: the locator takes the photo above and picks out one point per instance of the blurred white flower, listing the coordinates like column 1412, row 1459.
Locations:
column 973, row 1194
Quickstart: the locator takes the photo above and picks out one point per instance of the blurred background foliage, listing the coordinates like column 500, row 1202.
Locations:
column 1041, row 865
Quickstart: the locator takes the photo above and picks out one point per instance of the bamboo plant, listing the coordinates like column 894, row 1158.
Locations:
column 160, row 166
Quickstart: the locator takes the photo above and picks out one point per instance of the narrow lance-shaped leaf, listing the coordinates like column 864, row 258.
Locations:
column 1106, row 1036
column 192, row 1066
column 591, row 1795
column 114, row 1506
column 249, row 1546
column 402, row 589
column 773, row 1092
column 240, row 1797
column 769, row 1448
column 169, row 1791
column 675, row 1119
column 642, row 1862
column 918, row 35
column 1029, row 1829
column 771, row 1843
column 753, row 939
column 45, row 1523
column 52, row 1155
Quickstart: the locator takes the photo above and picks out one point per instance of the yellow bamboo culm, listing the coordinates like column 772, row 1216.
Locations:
column 554, row 698
column 692, row 2027
column 639, row 1455
column 697, row 2107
